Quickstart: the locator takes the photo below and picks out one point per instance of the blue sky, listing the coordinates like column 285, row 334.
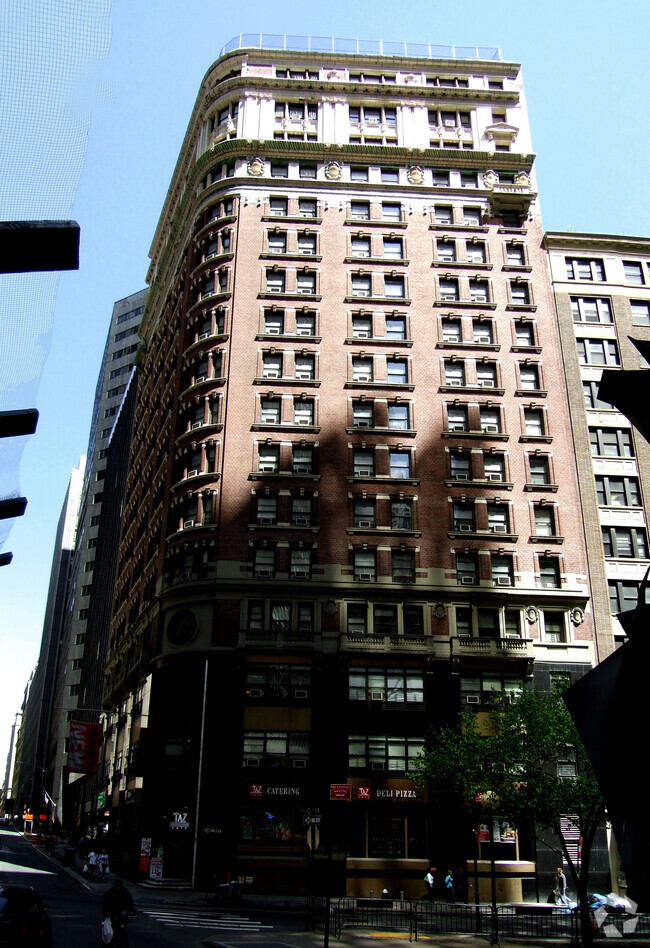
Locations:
column 586, row 74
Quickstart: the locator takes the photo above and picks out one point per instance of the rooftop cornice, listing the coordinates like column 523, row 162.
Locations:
column 577, row 242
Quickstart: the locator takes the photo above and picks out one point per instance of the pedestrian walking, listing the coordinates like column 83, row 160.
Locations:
column 430, row 883
column 92, row 863
column 102, row 863
column 562, row 898
column 450, row 892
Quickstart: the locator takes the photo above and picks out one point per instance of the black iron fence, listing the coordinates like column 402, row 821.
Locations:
column 430, row 918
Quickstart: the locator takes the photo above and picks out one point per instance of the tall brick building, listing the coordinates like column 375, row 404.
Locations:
column 352, row 503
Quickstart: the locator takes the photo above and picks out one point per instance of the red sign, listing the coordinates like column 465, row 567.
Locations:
column 340, row 791
column 363, row 793
column 83, row 751
column 256, row 790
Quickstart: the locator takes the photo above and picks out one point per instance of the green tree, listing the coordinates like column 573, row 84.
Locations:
column 527, row 759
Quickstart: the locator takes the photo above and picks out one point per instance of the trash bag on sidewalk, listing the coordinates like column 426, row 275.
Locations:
column 107, row 931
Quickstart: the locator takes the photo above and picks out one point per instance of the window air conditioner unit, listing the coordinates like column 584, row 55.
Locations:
column 377, row 765
column 364, row 523
column 362, row 334
column 274, row 289
column 361, row 293
column 365, row 577
column 256, row 693
column 306, row 250
column 273, row 331
column 197, row 424
column 302, row 469
column 376, row 696
column 465, row 527
column 454, row 382
column 461, row 477
column 363, row 472
column 306, row 290
column 204, row 335
column 272, row 374
column 263, row 571
column 362, row 423
column 267, row 468
column 303, row 374
column 188, row 523
column 504, row 581
column 362, row 378
column 486, row 383
column 303, row 331
column 194, row 472
column 266, row 518
column 402, row 577
column 185, row 575
column 304, row 421
column 200, row 378
column 253, row 761
column 300, row 692
column 472, row 699
column 467, row 580
column 299, row 764
column 499, row 528
column 457, row 427
column 299, row 574
column 301, row 521
column 494, row 477
column 490, row 428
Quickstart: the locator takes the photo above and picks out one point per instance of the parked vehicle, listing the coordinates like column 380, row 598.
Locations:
column 24, row 920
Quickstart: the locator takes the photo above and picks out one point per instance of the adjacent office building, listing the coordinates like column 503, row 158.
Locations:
column 352, row 504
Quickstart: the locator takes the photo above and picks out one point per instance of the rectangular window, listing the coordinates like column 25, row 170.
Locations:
column 451, row 330
column 515, row 256
column 264, row 564
column 544, row 521
column 300, row 564
column 502, row 574
column 380, row 753
column 396, row 685
column 623, row 596
column 361, row 284
column 305, row 324
column 399, row 464
column 267, row 509
column 611, row 442
column 302, row 459
column 498, row 520
column 270, row 411
column 396, row 372
column 592, row 400
column 466, row 569
column 303, row 411
column 278, row 207
column 460, row 466
column 394, row 287
column 357, row 619
column 486, row 374
column 305, row 282
column 554, row 627
column 395, row 327
column 362, row 327
column 476, row 252
column 358, row 173
column 549, row 572
column 363, row 414
column 275, row 281
column 446, row 250
column 272, row 365
column 362, row 370
column 364, row 514
column 633, row 272
column 463, row 514
column 538, row 469
column 529, row 378
column 306, row 243
column 454, row 373
column 301, row 514
column 403, row 567
column 305, row 367
column 448, row 290
column 597, row 352
column 363, row 462
column 490, row 419
column 360, row 210
column 440, row 179
column 390, row 175
column 618, row 491
column 582, row 268
column 365, row 568
column 591, row 309
column 640, row 312
column 307, row 207
column 398, row 417
column 401, row 515
column 478, row 291
column 457, row 418
column 625, row 542
column 524, row 334
column 442, row 214
column 269, row 459
column 494, row 467
column 393, row 248
column 472, row 216
column 360, row 246
column 520, row 294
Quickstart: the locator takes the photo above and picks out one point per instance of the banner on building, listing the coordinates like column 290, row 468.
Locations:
column 83, row 749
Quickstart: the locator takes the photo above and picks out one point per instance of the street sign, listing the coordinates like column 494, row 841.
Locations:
column 340, row 791
column 311, row 820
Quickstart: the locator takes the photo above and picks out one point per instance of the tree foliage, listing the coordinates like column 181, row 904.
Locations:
column 525, row 760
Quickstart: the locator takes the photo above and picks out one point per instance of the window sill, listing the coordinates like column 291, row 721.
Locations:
column 464, row 304
column 517, row 268
column 378, row 341
column 482, row 346
column 276, row 475
column 531, row 392
column 286, row 337
column 374, row 222
column 296, row 255
column 485, row 435
column 460, row 228
column 284, row 426
column 552, row 488
column 382, row 531
column 539, row 439
column 522, row 307
column 525, row 348
column 397, row 386
column 461, row 264
column 286, row 380
column 389, row 261
column 289, row 295
column 377, row 300
column 484, row 482
column 477, row 534
column 535, row 538
column 381, row 479
column 366, row 429
column 472, row 389
column 283, row 526
column 292, row 218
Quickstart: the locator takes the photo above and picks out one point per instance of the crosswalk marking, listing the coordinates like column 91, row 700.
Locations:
column 187, row 918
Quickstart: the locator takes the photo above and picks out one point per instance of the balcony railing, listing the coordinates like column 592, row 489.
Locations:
column 508, row 648
column 379, row 642
column 276, row 638
column 358, row 47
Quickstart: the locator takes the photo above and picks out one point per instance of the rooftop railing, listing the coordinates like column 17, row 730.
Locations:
column 332, row 44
